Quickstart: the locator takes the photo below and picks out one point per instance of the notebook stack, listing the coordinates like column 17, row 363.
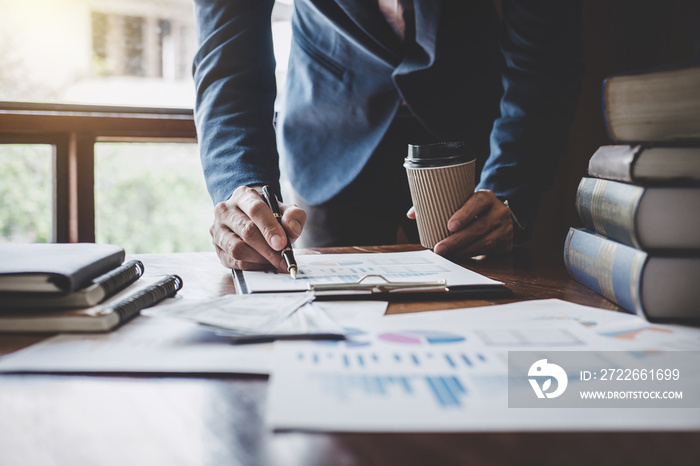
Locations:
column 640, row 204
column 73, row 287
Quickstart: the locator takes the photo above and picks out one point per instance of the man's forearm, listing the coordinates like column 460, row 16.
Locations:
column 542, row 47
column 234, row 74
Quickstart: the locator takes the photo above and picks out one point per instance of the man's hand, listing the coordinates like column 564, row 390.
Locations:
column 482, row 225
column 246, row 234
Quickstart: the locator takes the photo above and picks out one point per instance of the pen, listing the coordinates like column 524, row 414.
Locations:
column 287, row 252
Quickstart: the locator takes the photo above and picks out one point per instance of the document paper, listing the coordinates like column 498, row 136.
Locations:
column 412, row 266
column 415, row 373
column 249, row 317
column 167, row 346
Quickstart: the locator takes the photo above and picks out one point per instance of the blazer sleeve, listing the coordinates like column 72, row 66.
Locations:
column 234, row 75
column 542, row 45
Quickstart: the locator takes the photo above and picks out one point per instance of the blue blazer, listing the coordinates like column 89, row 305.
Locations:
column 348, row 73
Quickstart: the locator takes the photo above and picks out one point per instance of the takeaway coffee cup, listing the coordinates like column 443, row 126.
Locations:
column 441, row 179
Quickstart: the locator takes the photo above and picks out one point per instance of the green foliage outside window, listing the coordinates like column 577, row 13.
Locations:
column 151, row 198
column 25, row 193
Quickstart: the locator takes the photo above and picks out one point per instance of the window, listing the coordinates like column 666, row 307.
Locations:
column 25, row 193
column 161, row 206
column 130, row 53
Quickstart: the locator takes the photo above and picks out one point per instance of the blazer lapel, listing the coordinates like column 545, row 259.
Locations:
column 362, row 22
column 427, row 16
column 368, row 17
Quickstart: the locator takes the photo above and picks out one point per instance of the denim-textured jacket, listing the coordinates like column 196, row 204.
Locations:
column 463, row 67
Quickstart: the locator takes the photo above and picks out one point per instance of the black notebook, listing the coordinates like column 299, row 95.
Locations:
column 55, row 268
column 101, row 288
column 115, row 311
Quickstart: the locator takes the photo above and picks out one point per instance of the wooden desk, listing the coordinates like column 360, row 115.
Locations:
column 100, row 420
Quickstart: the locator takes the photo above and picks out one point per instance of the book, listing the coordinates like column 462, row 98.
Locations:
column 644, row 164
column 55, row 268
column 653, row 105
column 649, row 218
column 657, row 287
column 97, row 291
column 117, row 310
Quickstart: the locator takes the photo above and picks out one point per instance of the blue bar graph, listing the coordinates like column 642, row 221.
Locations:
column 371, row 359
column 447, row 391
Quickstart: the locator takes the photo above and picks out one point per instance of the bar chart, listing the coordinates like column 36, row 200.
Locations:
column 446, row 390
column 381, row 359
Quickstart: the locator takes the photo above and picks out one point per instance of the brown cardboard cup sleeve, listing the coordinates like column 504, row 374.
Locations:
column 437, row 193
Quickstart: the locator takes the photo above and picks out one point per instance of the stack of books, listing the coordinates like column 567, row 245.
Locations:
column 641, row 203
column 73, row 287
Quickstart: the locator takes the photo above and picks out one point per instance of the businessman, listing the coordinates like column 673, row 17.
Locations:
column 366, row 78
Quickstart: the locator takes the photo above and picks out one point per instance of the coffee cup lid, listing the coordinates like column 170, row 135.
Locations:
column 440, row 154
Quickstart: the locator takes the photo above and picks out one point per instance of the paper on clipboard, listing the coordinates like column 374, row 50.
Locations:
column 419, row 267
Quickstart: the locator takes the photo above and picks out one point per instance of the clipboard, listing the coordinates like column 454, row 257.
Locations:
column 387, row 290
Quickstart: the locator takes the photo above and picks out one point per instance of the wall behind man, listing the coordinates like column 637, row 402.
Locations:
column 619, row 36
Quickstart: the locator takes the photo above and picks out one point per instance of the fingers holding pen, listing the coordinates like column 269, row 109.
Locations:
column 239, row 239
column 263, row 221
column 293, row 220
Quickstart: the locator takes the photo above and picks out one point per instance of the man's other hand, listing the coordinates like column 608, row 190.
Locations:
column 246, row 234
column 483, row 225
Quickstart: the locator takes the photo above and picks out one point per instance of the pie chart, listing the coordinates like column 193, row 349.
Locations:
column 419, row 337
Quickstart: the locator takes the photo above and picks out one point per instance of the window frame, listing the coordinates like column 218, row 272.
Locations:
column 72, row 131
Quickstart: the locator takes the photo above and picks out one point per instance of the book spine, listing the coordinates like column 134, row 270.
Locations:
column 130, row 307
column 119, row 278
column 614, row 162
column 610, row 269
column 610, row 209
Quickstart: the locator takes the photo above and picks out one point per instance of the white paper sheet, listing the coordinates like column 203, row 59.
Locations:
column 349, row 268
column 627, row 330
column 239, row 314
column 445, row 371
column 164, row 346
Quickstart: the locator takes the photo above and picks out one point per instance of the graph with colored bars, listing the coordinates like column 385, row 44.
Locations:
column 350, row 271
column 412, row 360
column 447, row 391
column 355, row 375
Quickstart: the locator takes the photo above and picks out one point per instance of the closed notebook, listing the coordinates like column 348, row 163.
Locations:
column 55, row 268
column 101, row 288
column 115, row 311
